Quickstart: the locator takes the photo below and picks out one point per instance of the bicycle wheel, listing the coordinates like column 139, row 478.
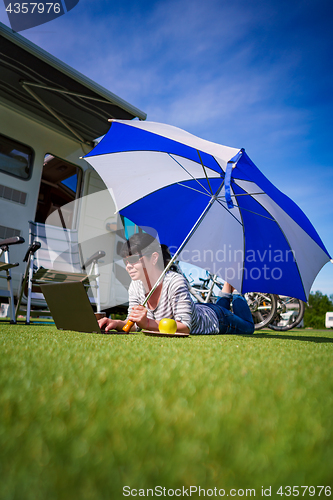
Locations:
column 263, row 307
column 290, row 312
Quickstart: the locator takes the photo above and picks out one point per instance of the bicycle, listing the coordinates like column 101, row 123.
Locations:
column 290, row 312
column 263, row 307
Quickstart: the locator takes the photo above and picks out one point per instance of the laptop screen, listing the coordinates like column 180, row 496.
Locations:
column 70, row 307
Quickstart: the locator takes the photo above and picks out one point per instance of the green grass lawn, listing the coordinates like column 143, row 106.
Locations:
column 84, row 415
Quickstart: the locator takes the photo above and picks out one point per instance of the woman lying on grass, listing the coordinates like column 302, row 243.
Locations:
column 145, row 260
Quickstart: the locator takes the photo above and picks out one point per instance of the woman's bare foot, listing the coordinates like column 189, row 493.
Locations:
column 227, row 288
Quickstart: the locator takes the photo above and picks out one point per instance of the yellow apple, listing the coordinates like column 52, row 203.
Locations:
column 167, row 325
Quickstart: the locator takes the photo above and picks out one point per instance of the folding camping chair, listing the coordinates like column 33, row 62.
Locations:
column 7, row 266
column 54, row 255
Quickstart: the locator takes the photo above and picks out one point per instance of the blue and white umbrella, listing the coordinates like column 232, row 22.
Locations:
column 211, row 205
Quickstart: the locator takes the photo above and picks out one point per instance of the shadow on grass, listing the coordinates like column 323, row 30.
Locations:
column 268, row 335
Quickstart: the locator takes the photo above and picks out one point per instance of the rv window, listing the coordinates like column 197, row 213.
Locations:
column 59, row 187
column 15, row 158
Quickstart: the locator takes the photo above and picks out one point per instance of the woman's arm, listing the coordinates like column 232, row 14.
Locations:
column 139, row 316
column 181, row 302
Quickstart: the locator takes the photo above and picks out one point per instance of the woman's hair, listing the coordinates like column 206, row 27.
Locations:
column 145, row 244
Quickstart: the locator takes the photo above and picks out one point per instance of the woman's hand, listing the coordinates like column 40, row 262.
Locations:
column 108, row 324
column 138, row 315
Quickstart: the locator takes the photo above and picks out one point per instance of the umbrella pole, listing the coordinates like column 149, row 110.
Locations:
column 129, row 323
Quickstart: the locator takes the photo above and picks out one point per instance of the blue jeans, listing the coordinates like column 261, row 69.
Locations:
column 237, row 322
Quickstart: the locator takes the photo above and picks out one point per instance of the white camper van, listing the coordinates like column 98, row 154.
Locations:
column 50, row 116
column 329, row 320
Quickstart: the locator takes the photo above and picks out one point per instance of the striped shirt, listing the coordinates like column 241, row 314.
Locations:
column 176, row 303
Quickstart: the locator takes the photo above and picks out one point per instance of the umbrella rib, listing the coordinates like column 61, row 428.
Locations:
column 251, row 211
column 210, row 188
column 243, row 194
column 196, row 180
column 197, row 190
column 225, row 208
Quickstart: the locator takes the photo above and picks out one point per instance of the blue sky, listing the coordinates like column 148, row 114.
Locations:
column 251, row 74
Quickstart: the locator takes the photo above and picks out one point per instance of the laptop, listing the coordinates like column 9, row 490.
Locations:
column 70, row 307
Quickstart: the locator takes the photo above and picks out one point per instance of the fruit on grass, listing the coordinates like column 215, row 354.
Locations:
column 167, row 325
